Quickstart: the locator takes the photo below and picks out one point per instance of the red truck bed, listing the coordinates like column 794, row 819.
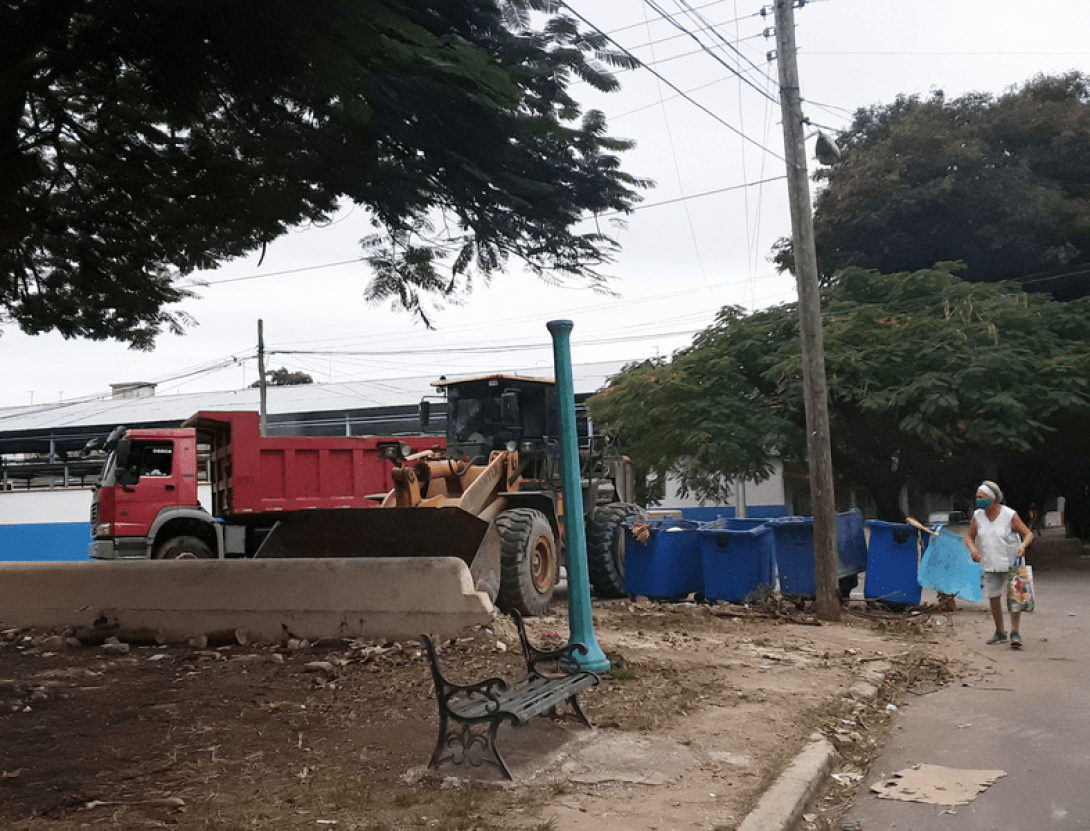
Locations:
column 251, row 474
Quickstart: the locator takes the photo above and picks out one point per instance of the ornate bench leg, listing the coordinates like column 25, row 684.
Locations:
column 441, row 742
column 574, row 701
column 470, row 744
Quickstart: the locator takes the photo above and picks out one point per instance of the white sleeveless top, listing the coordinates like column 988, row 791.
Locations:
column 997, row 541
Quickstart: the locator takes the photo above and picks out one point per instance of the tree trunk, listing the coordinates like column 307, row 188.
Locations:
column 887, row 498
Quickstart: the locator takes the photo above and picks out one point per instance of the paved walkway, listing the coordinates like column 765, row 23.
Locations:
column 1026, row 714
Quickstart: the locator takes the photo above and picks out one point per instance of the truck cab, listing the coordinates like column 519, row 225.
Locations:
column 148, row 479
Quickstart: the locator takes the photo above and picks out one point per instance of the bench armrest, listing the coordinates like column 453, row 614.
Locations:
column 446, row 689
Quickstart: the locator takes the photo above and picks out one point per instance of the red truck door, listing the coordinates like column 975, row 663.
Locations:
column 165, row 471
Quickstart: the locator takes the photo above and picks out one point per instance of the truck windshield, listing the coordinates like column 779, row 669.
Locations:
column 108, row 468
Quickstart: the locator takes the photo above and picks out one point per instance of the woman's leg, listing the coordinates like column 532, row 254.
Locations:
column 997, row 613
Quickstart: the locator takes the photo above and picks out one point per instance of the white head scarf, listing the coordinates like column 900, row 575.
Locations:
column 992, row 489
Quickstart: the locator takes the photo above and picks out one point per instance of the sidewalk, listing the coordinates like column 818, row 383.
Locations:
column 1020, row 712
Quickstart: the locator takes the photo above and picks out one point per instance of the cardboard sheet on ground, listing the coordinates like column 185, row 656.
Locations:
column 936, row 785
column 948, row 567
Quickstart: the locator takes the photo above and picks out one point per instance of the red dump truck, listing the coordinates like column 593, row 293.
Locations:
column 146, row 502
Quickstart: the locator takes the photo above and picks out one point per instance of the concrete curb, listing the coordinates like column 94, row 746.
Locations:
column 783, row 805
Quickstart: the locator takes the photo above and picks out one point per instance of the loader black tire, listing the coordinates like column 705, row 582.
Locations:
column 184, row 548
column 528, row 561
column 605, row 547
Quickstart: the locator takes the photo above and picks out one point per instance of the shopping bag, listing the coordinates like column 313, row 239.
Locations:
column 1020, row 589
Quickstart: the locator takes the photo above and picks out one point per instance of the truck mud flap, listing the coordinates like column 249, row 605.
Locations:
column 376, row 532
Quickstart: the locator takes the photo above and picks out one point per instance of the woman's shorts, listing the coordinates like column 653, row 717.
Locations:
column 995, row 584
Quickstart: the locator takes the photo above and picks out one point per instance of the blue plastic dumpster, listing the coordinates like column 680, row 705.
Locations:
column 735, row 523
column 893, row 557
column 794, row 541
column 737, row 562
column 667, row 566
column 745, row 523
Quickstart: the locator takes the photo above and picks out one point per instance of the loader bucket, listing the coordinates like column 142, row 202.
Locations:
column 377, row 532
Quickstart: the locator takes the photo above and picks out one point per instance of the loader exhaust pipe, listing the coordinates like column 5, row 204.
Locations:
column 580, row 620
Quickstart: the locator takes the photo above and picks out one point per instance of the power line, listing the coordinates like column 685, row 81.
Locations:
column 674, row 86
column 641, row 207
column 202, row 370
column 491, row 348
column 705, row 6
column 702, row 195
column 958, row 54
column 270, row 274
column 662, row 13
column 683, row 33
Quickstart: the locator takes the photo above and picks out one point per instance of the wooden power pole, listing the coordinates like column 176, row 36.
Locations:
column 815, row 391
column 263, row 413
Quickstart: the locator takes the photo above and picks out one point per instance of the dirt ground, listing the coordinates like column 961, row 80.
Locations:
column 702, row 709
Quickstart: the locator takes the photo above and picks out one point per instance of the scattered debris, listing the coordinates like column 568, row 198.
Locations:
column 168, row 802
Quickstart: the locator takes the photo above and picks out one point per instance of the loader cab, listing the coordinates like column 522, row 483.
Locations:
column 498, row 412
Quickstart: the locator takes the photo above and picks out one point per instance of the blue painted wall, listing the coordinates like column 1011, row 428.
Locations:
column 45, row 541
column 725, row 512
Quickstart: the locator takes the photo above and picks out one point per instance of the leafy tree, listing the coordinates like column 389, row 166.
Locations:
column 1001, row 183
column 932, row 380
column 142, row 141
column 284, row 377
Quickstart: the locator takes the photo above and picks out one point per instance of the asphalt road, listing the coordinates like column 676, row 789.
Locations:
column 1028, row 716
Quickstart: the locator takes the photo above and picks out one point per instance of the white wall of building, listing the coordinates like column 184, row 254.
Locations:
column 768, row 493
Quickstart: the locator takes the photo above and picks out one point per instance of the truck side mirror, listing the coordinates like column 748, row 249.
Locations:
column 425, row 415
column 123, row 452
column 509, row 407
column 127, row 478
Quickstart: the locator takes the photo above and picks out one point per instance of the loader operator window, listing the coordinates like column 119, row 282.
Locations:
column 468, row 417
column 151, row 459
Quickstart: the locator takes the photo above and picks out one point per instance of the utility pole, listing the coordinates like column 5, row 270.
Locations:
column 815, row 391
column 263, row 413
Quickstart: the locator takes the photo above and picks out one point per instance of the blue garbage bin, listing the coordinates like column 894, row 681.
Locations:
column 794, row 541
column 893, row 558
column 667, row 566
column 737, row 562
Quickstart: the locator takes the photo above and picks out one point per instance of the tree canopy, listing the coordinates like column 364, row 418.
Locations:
column 284, row 377
column 143, row 141
column 933, row 380
column 1000, row 183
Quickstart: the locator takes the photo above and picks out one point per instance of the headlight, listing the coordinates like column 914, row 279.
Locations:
column 103, row 529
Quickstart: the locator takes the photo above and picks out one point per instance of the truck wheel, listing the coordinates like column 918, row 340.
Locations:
column 528, row 561
column 605, row 548
column 183, row 548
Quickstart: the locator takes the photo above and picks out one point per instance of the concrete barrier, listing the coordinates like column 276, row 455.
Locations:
column 377, row 598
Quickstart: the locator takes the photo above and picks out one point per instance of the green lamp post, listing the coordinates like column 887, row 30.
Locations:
column 580, row 620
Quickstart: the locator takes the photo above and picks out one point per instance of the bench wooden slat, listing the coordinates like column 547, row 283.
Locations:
column 531, row 696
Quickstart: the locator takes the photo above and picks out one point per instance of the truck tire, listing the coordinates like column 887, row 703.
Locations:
column 528, row 561
column 605, row 548
column 184, row 548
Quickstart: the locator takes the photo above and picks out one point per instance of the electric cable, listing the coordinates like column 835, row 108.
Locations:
column 675, row 88
column 662, row 13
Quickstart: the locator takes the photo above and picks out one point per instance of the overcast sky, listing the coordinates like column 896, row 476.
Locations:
column 700, row 241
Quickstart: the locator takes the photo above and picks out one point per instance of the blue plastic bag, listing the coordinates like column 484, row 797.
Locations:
column 948, row 567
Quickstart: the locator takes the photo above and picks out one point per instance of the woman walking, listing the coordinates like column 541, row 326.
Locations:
column 998, row 539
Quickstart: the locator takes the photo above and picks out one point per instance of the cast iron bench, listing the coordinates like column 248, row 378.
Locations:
column 470, row 714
